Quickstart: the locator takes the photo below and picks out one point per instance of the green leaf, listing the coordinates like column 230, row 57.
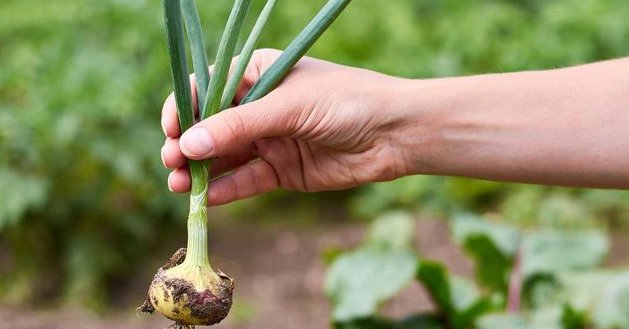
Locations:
column 457, row 298
column 392, row 230
column 178, row 62
column 506, row 238
column 541, row 291
column 359, row 281
column 296, row 50
column 573, row 319
column 20, row 194
column 611, row 309
column 493, row 247
column 435, row 279
column 367, row 323
column 421, row 321
column 245, row 56
column 197, row 48
column 545, row 319
column 601, row 295
column 503, row 321
column 224, row 55
column 551, row 251
column 582, row 289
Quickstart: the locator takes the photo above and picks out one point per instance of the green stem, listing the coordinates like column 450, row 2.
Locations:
column 197, row 219
column 178, row 63
column 199, row 170
column 197, row 47
column 245, row 55
column 197, row 253
column 296, row 50
column 223, row 58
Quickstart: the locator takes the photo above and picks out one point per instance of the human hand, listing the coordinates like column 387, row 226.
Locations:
column 325, row 127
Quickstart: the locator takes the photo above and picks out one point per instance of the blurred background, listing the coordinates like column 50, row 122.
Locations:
column 85, row 215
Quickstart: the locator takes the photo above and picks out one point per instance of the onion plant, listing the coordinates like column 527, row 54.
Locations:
column 187, row 289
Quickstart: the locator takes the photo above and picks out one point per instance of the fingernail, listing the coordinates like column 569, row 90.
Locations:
column 196, row 142
column 161, row 153
column 170, row 176
column 163, row 122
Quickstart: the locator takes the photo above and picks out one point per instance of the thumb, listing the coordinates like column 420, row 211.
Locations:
column 270, row 116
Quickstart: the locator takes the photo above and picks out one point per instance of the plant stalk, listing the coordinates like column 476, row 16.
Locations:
column 197, row 219
column 296, row 50
column 197, row 47
column 245, row 55
column 224, row 56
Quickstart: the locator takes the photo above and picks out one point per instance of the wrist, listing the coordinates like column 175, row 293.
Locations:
column 415, row 122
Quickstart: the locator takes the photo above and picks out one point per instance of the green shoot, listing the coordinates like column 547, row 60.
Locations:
column 224, row 58
column 197, row 47
column 296, row 50
column 245, row 55
column 178, row 63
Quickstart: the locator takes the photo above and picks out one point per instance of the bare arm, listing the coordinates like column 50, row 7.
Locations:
column 329, row 127
column 566, row 127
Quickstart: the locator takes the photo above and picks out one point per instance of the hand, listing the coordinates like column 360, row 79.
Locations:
column 325, row 127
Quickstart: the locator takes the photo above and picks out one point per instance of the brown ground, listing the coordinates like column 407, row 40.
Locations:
column 279, row 274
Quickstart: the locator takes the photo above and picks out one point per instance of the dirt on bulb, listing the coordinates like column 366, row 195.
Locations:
column 189, row 296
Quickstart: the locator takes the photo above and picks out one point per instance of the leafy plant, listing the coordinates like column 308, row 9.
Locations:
column 547, row 278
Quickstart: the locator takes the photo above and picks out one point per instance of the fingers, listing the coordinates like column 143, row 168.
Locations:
column 270, row 116
column 179, row 180
column 170, row 118
column 251, row 179
column 171, row 154
column 230, row 162
column 170, row 121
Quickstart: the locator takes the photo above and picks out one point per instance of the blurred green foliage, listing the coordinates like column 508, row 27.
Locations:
column 82, row 192
column 533, row 278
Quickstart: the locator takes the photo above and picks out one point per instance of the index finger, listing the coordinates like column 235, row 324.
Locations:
column 170, row 118
column 261, row 59
column 170, row 121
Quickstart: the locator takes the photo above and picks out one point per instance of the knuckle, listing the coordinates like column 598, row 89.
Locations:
column 234, row 191
column 265, row 52
column 234, row 123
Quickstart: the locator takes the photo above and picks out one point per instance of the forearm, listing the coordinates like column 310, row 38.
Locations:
column 565, row 127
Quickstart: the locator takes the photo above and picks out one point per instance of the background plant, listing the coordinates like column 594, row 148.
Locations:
column 535, row 278
column 81, row 84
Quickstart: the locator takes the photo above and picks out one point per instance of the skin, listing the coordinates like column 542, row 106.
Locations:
column 329, row 127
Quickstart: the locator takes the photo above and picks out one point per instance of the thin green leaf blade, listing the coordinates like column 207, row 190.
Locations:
column 183, row 96
column 197, row 47
column 296, row 50
column 223, row 57
column 178, row 63
column 246, row 54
